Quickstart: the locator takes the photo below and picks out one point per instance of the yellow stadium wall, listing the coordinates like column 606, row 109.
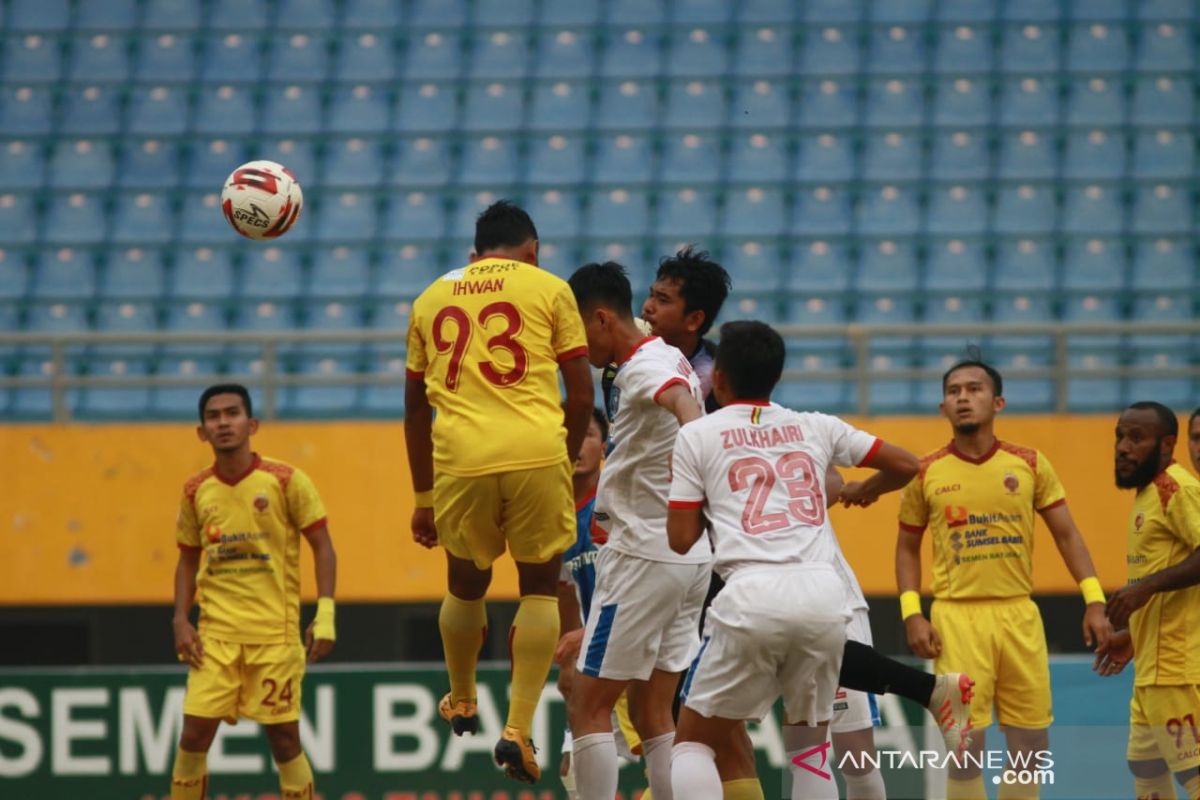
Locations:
column 87, row 512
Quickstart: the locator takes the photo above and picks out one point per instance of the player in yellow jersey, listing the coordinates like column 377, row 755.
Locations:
column 1160, row 605
column 1194, row 440
column 977, row 496
column 486, row 346
column 239, row 529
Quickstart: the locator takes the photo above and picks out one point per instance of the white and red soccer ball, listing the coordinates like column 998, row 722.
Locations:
column 261, row 199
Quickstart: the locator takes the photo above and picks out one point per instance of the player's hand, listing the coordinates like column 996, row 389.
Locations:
column 1126, row 600
column 564, row 766
column 1114, row 654
column 316, row 648
column 857, row 493
column 923, row 638
column 423, row 529
column 1096, row 628
column 568, row 647
column 188, row 647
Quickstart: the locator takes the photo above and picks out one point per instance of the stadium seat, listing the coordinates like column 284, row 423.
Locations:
column 195, row 316
column 830, row 50
column 617, row 212
column 1096, row 9
column 1161, row 208
column 886, row 266
column 96, row 110
column 1092, row 208
column 1163, row 264
column 1163, row 154
column 488, row 13
column 1025, row 265
column 406, row 270
column 691, row 158
column 489, row 161
column 239, row 15
column 447, row 13
column 311, row 15
column 227, row 110
column 493, row 106
column 353, row 162
column 962, row 49
column 1026, row 154
column 134, row 273
column 56, row 317
column 958, row 265
column 1027, row 47
column 150, row 164
column 894, row 102
column 1094, row 101
column 18, row 218
column 340, row 272
column 560, row 105
column 499, row 54
column 582, row 12
column 1097, row 46
column 65, row 274
column 896, row 50
column 819, row 266
column 143, row 217
column 291, row 110
column 230, row 58
column 961, row 101
column 1026, row 208
column 626, row 105
column 202, row 273
column 298, row 57
column 754, row 211
column 99, row 57
column 959, row 155
column 825, row 157
column 555, row 210
column 1093, row 154
column 38, row 15
column 433, row 55
column 466, row 205
column 213, row 159
column 1166, row 46
column 364, row 56
column 1094, row 264
column 423, row 161
column 75, row 218
column 887, row 210
column 298, row 154
column 125, row 317
column 346, row 216
column 696, row 52
column 757, row 157
column 265, row 315
column 31, row 58
column 14, row 283
column 272, row 273
column 624, row 159
column 565, row 54
column 417, row 215
column 201, row 220
column 821, row 211
column 694, row 104
column 956, row 210
column 364, row 109
column 1162, row 100
column 630, row 53
column 758, row 267
column 891, row 156
column 763, row 104
column 762, row 52
column 556, row 160
column 1028, row 101
column 166, row 57
column 686, row 213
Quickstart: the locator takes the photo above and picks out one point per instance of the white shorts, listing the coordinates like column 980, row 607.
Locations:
column 645, row 616
column 771, row 632
column 854, row 710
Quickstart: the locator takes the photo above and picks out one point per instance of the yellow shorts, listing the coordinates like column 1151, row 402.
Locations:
column 1162, row 724
column 257, row 681
column 1001, row 644
column 532, row 510
column 626, row 724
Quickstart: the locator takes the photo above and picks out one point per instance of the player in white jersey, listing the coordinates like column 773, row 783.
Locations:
column 642, row 629
column 757, row 471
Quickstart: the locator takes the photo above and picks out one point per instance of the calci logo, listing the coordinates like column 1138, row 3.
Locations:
column 261, row 503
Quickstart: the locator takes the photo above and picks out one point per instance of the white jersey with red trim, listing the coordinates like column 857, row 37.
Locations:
column 631, row 500
column 758, row 471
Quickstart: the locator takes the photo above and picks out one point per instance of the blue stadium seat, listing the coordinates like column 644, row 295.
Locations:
column 171, row 15
column 253, row 315
column 38, row 15
column 959, row 265
column 1096, row 9
column 74, row 218
column 697, row 51
column 1026, row 154
column 201, row 219
column 894, row 102
column 423, row 161
column 1161, row 208
column 823, row 104
column 313, row 15
column 624, row 159
column 700, row 11
column 825, row 157
column 490, row 160
column 1163, row 154
column 887, row 266
column 959, row 155
column 959, row 101
column 565, row 54
column 231, row 58
column 1161, row 264
column 499, row 54
column 56, row 317
column 819, row 266
column 694, row 104
column 1028, row 101
column 166, row 57
column 631, row 53
column 762, row 52
column 14, row 283
column 22, row 164
column 420, row 107
column 202, row 273
column 1021, row 309
column 489, row 13
column 951, row 309
column 963, row 49
column 415, row 215
column 1095, row 101
column 1166, row 46
column 346, row 217
column 195, row 316
column 686, row 212
column 896, row 50
column 830, row 50
column 18, row 218
column 891, row 156
column 1025, row 265
column 434, row 54
column 211, row 160
column 150, row 164
column 766, row 11
column 353, row 162
column 143, row 217
column 758, row 157
column 901, row 10
column 272, row 273
column 617, row 212
column 466, row 205
column 34, row 403
column 65, row 274
column 332, row 315
column 1163, row 308
column 1097, row 46
column 1029, row 47
column 1094, row 264
column 364, row 56
column 239, row 15
column 754, row 211
column 493, row 106
column 555, row 211
column 1090, row 307
column 1162, row 100
column 126, row 316
column 758, row 266
column 134, row 273
column 1165, row 9
column 1172, row 392
column 111, row 15
column 583, row 12
column 31, row 58
column 81, row 164
column 1093, row 208
column 691, row 158
column 450, row 13
column 291, row 110
column 227, row 110
column 561, row 105
column 887, row 309
column 388, row 314
column 887, row 210
column 340, row 272
column 361, row 109
column 384, row 399
column 95, row 110
column 405, row 271
column 1097, row 153
column 821, row 211
column 763, row 104
column 557, row 160
column 835, row 11
column 1027, row 208
column 100, row 57
column 299, row 155
column 956, row 210
column 297, row 57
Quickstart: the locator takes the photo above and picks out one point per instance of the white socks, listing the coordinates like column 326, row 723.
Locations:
column 657, row 752
column 865, row 787
column 694, row 772
column 595, row 761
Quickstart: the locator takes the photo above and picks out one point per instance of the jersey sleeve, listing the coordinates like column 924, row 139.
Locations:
column 187, row 526
column 687, row 479
column 1183, row 514
column 417, row 361
column 848, row 446
column 304, row 504
column 914, row 510
column 568, row 338
column 1048, row 490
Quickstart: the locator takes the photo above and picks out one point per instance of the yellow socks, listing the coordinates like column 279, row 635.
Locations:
column 532, row 640
column 296, row 779
column 970, row 789
column 1015, row 791
column 463, row 624
column 189, row 777
column 742, row 789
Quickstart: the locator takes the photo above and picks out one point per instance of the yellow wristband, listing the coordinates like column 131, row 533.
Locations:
column 424, row 499
column 1092, row 593
column 323, row 627
column 910, row 603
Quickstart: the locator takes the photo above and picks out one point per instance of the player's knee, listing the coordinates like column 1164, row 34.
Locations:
column 197, row 734
column 284, row 740
column 1148, row 769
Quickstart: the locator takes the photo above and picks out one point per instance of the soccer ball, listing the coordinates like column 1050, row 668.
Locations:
column 261, row 199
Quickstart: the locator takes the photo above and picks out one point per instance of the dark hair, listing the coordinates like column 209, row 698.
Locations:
column 226, row 388
column 1168, row 425
column 1192, row 418
column 997, row 381
column 703, row 283
column 605, row 285
column 601, row 421
column 750, row 356
column 502, row 224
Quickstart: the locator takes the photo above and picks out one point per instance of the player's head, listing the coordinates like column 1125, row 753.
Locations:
column 504, row 228
column 686, row 296
column 1194, row 439
column 749, row 361
column 226, row 417
column 1146, row 434
column 591, row 454
column 605, row 301
column 972, row 395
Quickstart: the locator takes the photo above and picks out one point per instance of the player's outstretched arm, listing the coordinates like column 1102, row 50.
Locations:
column 1132, row 596
column 188, row 646
column 321, row 633
column 894, row 467
column 1069, row 541
column 833, row 486
column 577, row 414
column 677, row 399
column 418, row 439
column 922, row 637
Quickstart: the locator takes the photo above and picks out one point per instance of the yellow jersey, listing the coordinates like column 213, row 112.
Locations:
column 1164, row 529
column 488, row 339
column 248, row 586
column 980, row 512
